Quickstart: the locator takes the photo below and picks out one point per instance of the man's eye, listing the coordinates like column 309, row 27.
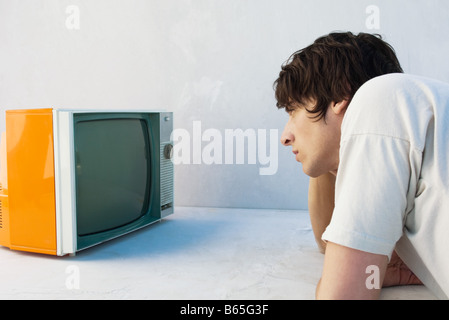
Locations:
column 289, row 110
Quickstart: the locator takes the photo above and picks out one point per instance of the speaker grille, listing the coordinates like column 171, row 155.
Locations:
column 167, row 171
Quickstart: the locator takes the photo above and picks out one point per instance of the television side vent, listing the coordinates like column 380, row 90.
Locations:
column 167, row 170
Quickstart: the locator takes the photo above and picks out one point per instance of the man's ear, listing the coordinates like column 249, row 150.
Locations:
column 340, row 107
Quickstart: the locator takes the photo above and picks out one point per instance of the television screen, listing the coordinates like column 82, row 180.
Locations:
column 112, row 173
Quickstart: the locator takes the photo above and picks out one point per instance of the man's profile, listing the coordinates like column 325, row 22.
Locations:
column 375, row 142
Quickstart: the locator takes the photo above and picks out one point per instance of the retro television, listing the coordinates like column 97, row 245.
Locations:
column 72, row 179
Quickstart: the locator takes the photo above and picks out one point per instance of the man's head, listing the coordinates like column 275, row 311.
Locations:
column 324, row 77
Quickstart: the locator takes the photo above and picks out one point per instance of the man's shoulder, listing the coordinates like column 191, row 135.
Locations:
column 390, row 79
column 395, row 105
column 402, row 84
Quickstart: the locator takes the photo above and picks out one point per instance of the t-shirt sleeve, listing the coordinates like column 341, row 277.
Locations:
column 371, row 193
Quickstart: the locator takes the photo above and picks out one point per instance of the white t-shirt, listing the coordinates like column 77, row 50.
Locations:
column 392, row 188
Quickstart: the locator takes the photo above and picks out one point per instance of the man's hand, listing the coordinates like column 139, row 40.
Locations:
column 398, row 274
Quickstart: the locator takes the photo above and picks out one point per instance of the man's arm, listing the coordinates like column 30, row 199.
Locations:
column 351, row 274
column 321, row 205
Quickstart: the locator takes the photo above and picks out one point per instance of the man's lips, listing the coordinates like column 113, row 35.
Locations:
column 296, row 154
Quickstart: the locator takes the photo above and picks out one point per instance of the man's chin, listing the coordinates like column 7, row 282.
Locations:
column 315, row 172
column 310, row 173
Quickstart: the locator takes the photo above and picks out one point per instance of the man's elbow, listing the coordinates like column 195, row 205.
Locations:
column 321, row 245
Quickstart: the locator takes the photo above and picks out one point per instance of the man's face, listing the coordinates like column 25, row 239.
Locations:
column 315, row 143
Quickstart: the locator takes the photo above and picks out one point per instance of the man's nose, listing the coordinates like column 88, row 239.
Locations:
column 287, row 137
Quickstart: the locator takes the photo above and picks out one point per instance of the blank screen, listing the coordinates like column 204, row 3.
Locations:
column 112, row 173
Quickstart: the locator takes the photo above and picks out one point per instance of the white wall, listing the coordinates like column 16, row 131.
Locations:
column 211, row 62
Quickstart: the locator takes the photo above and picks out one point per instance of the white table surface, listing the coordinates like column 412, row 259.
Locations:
column 196, row 253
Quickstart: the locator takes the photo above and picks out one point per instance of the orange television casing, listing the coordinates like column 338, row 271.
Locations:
column 28, row 172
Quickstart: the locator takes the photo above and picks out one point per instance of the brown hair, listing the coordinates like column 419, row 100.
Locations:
column 332, row 69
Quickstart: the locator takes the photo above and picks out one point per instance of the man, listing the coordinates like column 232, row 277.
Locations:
column 380, row 140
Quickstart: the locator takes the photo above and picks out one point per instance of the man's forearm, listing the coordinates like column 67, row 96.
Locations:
column 321, row 205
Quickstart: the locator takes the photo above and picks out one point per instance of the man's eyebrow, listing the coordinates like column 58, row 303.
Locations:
column 289, row 108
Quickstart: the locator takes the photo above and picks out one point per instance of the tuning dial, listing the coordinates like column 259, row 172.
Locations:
column 168, row 151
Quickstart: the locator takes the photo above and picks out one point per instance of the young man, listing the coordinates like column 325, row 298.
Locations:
column 380, row 140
